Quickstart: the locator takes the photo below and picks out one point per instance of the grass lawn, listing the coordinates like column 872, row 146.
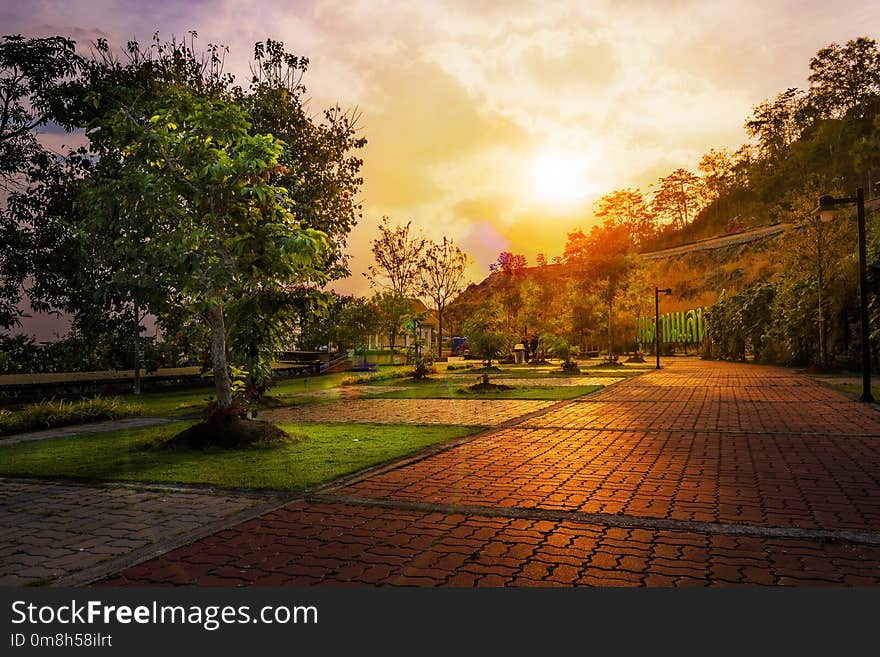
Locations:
column 318, row 453
column 191, row 402
column 456, row 389
column 855, row 389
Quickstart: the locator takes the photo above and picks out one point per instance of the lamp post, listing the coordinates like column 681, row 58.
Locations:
column 826, row 204
column 657, row 292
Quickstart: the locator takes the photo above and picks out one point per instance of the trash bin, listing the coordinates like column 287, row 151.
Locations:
column 519, row 353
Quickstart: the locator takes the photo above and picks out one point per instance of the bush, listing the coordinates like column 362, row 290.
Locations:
column 372, row 377
column 49, row 414
column 463, row 366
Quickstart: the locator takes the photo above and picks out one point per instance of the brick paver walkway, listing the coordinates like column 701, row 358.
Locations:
column 65, row 533
column 475, row 412
column 702, row 473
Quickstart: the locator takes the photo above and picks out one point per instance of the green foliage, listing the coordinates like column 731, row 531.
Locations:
column 356, row 322
column 384, row 374
column 486, row 335
column 49, row 414
column 391, row 308
column 32, row 77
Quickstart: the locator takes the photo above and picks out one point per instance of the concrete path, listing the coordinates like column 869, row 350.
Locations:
column 699, row 474
column 54, row 533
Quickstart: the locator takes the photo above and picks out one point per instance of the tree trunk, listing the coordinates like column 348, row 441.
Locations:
column 222, row 383
column 137, row 348
column 610, row 332
column 439, row 333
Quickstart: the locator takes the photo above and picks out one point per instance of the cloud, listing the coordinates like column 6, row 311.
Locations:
column 458, row 97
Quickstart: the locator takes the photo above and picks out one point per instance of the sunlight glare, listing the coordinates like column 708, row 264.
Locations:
column 559, row 177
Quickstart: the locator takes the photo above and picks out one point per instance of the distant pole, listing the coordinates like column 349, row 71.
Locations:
column 863, row 289
column 657, row 325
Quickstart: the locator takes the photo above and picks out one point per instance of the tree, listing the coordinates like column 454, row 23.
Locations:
column 357, row 322
column 486, row 336
column 320, row 168
column 442, row 278
column 604, row 263
column 32, row 75
column 844, row 78
column 716, row 168
column 398, row 257
column 677, row 197
column 627, row 208
column 814, row 255
column 777, row 125
column 391, row 311
column 94, row 191
column 510, row 269
column 222, row 230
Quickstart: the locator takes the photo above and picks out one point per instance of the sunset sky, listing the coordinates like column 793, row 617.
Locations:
column 499, row 124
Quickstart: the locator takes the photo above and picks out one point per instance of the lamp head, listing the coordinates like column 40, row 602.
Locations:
column 826, row 202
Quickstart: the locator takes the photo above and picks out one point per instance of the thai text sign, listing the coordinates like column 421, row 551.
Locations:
column 683, row 327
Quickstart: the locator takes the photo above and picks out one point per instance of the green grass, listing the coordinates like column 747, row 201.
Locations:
column 855, row 389
column 458, row 390
column 49, row 414
column 191, row 402
column 320, row 453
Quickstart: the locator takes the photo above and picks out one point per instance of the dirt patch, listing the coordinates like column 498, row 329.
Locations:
column 233, row 434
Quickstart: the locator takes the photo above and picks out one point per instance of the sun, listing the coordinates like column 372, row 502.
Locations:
column 559, row 177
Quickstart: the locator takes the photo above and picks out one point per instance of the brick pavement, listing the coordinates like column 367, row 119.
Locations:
column 341, row 544
column 474, row 412
column 700, row 474
column 56, row 532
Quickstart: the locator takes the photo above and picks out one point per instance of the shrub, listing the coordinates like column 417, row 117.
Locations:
column 51, row 413
column 381, row 375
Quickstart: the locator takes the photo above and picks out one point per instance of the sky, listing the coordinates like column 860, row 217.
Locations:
column 499, row 124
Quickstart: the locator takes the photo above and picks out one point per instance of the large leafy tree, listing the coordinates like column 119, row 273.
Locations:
column 220, row 229
column 844, row 78
column 677, row 197
column 604, row 262
column 628, row 208
column 510, row 270
column 321, row 170
column 33, row 74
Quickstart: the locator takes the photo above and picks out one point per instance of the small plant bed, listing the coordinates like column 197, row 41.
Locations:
column 484, row 385
column 387, row 374
column 52, row 414
column 236, row 433
column 311, row 454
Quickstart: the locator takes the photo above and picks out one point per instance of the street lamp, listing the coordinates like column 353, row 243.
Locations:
column 657, row 292
column 826, row 205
